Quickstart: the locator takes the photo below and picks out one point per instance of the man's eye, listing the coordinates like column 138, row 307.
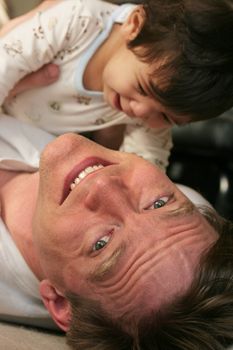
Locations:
column 101, row 243
column 158, row 203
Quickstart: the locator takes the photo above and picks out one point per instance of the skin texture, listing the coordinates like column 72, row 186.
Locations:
column 147, row 252
column 150, row 234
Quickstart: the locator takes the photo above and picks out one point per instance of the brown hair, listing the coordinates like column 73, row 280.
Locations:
column 201, row 319
column 193, row 40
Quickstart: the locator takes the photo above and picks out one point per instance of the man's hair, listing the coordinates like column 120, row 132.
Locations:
column 200, row 319
column 192, row 39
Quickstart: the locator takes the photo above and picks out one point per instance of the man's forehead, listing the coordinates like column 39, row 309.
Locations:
column 150, row 278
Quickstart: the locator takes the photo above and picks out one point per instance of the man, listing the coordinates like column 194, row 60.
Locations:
column 96, row 228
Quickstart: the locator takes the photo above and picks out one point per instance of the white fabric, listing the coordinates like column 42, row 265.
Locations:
column 194, row 196
column 69, row 34
column 19, row 288
column 20, row 147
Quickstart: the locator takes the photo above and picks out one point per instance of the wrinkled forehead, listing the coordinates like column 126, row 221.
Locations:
column 151, row 273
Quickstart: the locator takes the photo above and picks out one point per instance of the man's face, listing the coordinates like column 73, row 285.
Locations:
column 126, row 87
column 124, row 234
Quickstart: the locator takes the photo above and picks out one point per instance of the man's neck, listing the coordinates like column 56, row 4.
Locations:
column 6, row 176
column 18, row 195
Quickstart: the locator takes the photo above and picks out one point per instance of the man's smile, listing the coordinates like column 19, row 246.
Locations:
column 87, row 167
column 84, row 173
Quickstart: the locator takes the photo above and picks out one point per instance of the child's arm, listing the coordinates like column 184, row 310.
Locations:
column 29, row 45
column 153, row 145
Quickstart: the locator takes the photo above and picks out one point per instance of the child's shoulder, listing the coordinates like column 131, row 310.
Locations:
column 92, row 4
column 93, row 8
column 76, row 9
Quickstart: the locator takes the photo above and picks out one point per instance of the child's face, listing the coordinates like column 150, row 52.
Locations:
column 126, row 88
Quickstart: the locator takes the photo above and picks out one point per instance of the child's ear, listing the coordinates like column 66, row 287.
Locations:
column 57, row 304
column 134, row 23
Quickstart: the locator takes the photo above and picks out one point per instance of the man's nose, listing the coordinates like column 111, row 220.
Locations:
column 108, row 193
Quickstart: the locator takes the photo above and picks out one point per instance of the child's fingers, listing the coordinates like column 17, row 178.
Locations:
column 46, row 75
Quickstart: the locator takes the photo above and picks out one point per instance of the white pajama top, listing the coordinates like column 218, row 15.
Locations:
column 68, row 34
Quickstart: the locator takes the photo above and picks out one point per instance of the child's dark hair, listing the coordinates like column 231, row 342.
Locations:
column 193, row 41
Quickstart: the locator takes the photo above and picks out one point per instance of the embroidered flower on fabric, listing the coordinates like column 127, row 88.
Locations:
column 38, row 32
column 159, row 163
column 55, row 106
column 83, row 100
column 99, row 121
column 60, row 55
column 14, row 48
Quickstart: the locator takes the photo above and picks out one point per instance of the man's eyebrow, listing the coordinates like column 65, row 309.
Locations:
column 106, row 266
column 185, row 208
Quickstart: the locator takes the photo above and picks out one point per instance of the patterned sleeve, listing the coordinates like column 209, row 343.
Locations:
column 39, row 40
column 153, row 145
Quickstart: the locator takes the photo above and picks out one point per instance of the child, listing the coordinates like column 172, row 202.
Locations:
column 80, row 36
column 149, row 62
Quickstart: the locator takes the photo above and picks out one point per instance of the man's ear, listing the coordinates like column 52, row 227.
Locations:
column 57, row 304
column 134, row 23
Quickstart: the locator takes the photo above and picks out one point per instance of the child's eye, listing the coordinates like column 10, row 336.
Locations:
column 165, row 117
column 101, row 243
column 158, row 203
column 140, row 90
column 168, row 119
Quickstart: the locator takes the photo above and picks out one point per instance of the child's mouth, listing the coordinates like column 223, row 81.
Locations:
column 117, row 102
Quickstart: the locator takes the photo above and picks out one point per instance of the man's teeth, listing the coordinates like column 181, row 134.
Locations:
column 84, row 173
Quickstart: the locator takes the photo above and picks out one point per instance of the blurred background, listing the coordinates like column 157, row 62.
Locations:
column 18, row 7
